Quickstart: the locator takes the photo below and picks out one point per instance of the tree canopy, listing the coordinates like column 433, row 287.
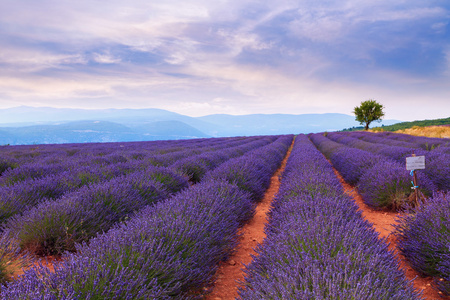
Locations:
column 369, row 111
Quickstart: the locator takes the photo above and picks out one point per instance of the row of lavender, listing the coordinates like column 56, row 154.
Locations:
column 92, row 153
column 318, row 246
column 39, row 182
column 403, row 140
column 437, row 160
column 383, row 182
column 168, row 250
column 424, row 232
column 38, row 162
column 424, row 239
column 56, row 225
column 57, row 213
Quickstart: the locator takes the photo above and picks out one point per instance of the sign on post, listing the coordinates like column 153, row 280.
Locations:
column 415, row 163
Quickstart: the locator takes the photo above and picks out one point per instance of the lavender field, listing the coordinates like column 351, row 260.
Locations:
column 153, row 220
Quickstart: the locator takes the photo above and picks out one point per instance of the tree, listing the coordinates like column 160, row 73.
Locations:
column 368, row 112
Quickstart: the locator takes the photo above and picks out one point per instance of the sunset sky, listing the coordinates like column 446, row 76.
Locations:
column 200, row 57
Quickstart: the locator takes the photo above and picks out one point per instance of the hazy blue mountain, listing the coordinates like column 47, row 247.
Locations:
column 96, row 132
column 134, row 118
column 259, row 124
column 35, row 125
column 170, row 130
column 72, row 132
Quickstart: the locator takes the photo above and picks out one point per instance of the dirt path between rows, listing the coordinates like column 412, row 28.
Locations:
column 232, row 271
column 383, row 223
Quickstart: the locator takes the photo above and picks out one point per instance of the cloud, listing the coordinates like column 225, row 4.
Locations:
column 105, row 58
column 224, row 56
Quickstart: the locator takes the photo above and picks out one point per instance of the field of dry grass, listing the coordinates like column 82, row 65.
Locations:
column 430, row 131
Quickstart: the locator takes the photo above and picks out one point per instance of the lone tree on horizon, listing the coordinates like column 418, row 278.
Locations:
column 369, row 111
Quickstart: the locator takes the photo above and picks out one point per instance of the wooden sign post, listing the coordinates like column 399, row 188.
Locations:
column 414, row 163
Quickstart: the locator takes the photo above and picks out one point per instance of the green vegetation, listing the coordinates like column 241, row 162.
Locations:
column 423, row 123
column 369, row 111
column 405, row 125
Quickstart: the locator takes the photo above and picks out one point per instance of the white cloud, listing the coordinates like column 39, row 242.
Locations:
column 439, row 27
column 105, row 58
column 32, row 60
column 309, row 56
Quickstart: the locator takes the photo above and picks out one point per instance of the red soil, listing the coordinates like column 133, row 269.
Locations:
column 232, row 271
column 47, row 261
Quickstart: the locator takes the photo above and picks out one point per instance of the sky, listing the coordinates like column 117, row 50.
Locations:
column 200, row 57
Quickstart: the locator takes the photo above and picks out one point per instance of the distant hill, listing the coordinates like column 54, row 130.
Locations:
column 96, row 132
column 264, row 124
column 405, row 125
column 423, row 123
column 44, row 125
column 170, row 130
column 72, row 132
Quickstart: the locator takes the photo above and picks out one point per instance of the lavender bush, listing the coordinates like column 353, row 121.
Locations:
column 437, row 167
column 352, row 163
column 56, row 226
column 324, row 252
column 388, row 185
column 317, row 245
column 195, row 167
column 6, row 164
column 424, row 238
column 169, row 250
column 17, row 198
column 252, row 171
column 437, row 163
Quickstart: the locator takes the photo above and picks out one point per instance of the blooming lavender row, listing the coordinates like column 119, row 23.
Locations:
column 398, row 139
column 195, row 167
column 382, row 182
column 318, row 246
column 56, row 226
column 426, row 143
column 250, row 172
column 374, row 144
column 27, row 193
column 424, row 239
column 437, row 162
column 46, row 162
column 19, row 155
column 168, row 251
column 170, row 158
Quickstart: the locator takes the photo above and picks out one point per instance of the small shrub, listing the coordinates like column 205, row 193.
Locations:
column 424, row 237
column 387, row 185
column 192, row 168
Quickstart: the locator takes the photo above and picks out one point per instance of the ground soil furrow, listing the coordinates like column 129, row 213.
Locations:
column 231, row 272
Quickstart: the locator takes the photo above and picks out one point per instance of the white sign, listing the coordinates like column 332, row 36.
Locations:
column 415, row 163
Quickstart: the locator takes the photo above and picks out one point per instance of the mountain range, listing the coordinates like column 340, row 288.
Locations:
column 46, row 125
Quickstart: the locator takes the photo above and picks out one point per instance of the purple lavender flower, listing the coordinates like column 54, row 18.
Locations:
column 317, row 245
column 388, row 185
column 424, row 236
